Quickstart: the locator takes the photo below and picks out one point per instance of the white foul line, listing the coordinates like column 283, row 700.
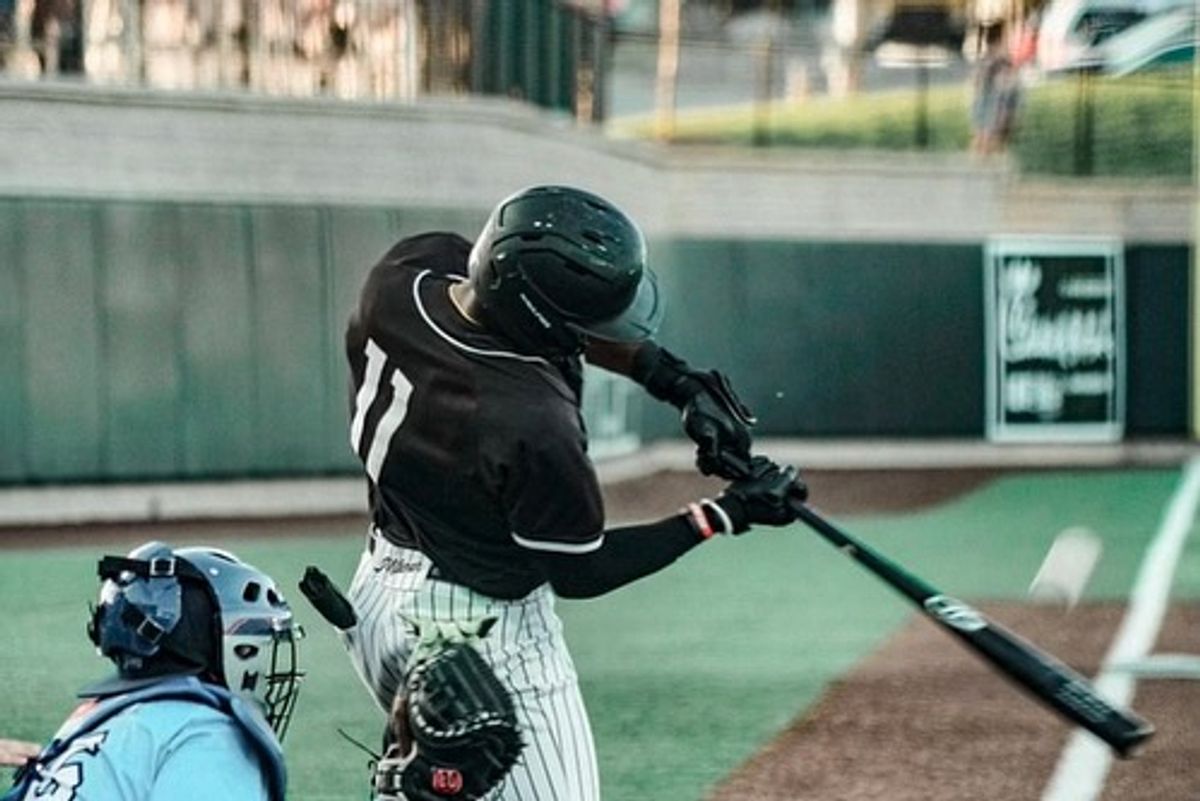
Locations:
column 1084, row 763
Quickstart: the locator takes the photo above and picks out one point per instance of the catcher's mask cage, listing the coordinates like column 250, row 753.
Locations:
column 554, row 266
column 205, row 610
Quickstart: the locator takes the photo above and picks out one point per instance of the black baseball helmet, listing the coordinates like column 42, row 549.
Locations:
column 556, row 265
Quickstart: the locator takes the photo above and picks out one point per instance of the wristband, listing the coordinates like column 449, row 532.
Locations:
column 699, row 520
column 735, row 512
column 721, row 515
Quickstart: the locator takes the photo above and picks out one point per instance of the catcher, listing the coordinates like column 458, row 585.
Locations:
column 205, row 649
column 466, row 365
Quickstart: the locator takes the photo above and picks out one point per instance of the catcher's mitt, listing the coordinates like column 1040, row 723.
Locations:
column 455, row 728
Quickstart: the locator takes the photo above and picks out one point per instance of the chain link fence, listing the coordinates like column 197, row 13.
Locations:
column 385, row 50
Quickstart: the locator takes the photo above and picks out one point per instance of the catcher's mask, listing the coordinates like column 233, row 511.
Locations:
column 554, row 266
column 200, row 610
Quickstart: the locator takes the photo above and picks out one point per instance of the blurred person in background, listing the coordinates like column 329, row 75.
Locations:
column 205, row 651
column 57, row 27
column 467, row 368
column 1023, row 49
column 995, row 94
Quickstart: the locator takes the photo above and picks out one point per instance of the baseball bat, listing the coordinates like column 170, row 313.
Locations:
column 1041, row 674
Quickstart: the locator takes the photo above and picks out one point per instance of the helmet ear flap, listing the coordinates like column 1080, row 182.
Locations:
column 511, row 303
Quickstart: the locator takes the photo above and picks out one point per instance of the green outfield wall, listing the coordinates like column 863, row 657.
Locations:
column 887, row 339
column 165, row 340
column 169, row 340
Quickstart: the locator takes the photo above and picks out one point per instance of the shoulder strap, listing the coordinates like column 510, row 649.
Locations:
column 265, row 742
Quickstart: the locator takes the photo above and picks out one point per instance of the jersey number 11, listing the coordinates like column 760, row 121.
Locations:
column 374, row 386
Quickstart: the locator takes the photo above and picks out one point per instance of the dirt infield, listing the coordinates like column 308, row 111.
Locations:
column 925, row 720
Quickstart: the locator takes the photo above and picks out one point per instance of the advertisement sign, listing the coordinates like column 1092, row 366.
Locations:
column 1055, row 339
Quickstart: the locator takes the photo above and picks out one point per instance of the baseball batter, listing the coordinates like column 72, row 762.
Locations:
column 466, row 369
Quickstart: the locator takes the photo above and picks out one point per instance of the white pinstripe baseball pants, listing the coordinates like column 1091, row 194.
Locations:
column 525, row 648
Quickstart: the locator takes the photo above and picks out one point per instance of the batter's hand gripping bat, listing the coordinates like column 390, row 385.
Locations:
column 1037, row 671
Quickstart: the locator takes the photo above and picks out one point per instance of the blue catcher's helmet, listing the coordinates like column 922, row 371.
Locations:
column 199, row 610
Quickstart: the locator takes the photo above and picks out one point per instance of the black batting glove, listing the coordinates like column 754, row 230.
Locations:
column 713, row 416
column 719, row 423
column 762, row 496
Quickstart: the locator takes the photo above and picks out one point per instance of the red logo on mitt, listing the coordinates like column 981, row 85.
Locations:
column 446, row 781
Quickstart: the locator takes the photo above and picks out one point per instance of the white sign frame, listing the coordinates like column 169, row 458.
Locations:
column 999, row 428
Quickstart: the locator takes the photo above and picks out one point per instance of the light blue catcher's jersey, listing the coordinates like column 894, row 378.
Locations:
column 166, row 743
column 157, row 751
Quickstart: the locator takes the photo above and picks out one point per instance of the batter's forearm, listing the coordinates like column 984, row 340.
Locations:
column 628, row 554
column 616, row 357
column 665, row 376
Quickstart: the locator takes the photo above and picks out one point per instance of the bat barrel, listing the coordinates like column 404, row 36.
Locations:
column 1044, row 676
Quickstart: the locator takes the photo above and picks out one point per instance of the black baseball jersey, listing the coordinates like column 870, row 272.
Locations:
column 475, row 454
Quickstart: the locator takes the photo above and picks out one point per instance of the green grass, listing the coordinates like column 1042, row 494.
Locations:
column 685, row 674
column 1130, row 127
column 879, row 120
column 1136, row 126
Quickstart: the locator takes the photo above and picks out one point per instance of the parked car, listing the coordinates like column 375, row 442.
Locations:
column 1070, row 30
column 1161, row 40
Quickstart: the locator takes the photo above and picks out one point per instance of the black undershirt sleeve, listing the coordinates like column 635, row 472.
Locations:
column 628, row 554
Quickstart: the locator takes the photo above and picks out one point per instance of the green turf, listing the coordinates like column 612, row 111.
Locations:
column 686, row 673
column 998, row 536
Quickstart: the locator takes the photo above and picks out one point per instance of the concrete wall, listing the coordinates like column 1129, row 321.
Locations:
column 65, row 141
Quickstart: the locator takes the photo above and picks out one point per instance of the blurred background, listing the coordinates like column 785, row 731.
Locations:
column 615, row 60
column 968, row 220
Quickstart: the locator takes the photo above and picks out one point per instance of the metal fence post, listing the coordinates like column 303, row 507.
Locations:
column 1084, row 126
column 922, row 121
